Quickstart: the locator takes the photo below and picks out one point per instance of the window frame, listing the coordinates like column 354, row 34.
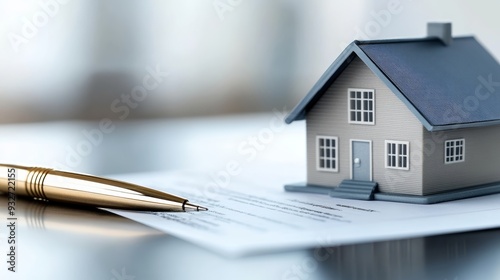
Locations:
column 362, row 110
column 319, row 158
column 447, row 159
column 397, row 154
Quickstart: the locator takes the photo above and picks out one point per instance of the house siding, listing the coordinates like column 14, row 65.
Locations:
column 482, row 151
column 393, row 121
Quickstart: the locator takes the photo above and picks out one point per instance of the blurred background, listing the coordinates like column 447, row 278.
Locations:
column 188, row 68
column 119, row 86
column 73, row 59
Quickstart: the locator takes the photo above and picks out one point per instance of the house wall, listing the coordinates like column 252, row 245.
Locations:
column 393, row 121
column 481, row 165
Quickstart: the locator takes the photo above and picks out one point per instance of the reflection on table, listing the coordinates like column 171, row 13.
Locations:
column 61, row 242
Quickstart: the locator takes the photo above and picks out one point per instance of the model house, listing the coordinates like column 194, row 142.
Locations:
column 412, row 120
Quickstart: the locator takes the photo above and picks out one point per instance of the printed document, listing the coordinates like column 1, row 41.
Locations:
column 249, row 218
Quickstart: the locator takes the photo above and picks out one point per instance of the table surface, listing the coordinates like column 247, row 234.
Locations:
column 57, row 242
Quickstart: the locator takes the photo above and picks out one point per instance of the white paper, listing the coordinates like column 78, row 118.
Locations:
column 247, row 219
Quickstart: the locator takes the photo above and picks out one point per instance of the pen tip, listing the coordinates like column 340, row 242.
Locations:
column 193, row 207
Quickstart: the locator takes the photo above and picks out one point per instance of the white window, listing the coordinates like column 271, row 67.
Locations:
column 454, row 150
column 361, row 106
column 397, row 154
column 327, row 153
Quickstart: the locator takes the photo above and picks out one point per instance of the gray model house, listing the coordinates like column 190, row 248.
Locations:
column 412, row 120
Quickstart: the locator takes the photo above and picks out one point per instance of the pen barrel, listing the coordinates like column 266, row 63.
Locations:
column 84, row 189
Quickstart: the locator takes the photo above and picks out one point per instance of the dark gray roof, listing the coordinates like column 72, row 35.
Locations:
column 446, row 87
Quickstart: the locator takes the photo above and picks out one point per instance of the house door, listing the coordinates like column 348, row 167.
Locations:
column 361, row 160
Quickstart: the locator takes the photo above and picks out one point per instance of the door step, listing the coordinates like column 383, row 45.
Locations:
column 352, row 189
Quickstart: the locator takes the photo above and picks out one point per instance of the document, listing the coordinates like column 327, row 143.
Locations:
column 248, row 218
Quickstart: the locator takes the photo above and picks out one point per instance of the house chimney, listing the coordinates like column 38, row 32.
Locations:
column 442, row 31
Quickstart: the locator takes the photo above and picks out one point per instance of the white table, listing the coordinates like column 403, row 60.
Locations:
column 57, row 242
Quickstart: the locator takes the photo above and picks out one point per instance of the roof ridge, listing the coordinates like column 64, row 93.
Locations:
column 405, row 40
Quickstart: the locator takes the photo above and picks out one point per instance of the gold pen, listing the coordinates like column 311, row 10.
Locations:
column 88, row 190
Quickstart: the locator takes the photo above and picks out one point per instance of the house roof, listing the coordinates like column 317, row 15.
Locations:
column 445, row 86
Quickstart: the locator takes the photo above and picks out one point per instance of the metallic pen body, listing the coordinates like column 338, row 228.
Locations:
column 83, row 189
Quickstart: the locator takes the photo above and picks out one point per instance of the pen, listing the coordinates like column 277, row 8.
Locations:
column 88, row 190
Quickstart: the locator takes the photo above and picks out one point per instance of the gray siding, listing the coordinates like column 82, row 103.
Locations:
column 482, row 153
column 393, row 121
